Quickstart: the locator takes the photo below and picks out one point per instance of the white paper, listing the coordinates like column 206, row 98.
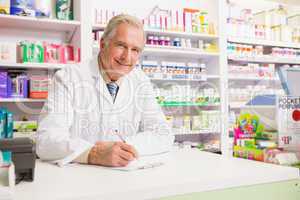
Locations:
column 145, row 162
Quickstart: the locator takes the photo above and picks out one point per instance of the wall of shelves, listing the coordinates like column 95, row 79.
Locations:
column 244, row 87
column 22, row 28
column 160, row 54
column 217, row 76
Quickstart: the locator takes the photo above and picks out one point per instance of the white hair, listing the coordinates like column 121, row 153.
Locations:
column 114, row 22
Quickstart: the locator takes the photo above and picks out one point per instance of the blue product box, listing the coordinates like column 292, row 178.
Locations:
column 5, row 87
column 19, row 84
column 22, row 7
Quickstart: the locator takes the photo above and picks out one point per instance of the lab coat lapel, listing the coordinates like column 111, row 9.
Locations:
column 125, row 94
column 102, row 90
column 100, row 84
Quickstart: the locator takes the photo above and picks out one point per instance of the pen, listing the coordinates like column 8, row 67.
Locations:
column 119, row 135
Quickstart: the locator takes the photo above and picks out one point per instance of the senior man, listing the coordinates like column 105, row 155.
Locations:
column 104, row 112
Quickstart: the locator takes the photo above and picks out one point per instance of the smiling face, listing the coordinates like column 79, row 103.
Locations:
column 121, row 52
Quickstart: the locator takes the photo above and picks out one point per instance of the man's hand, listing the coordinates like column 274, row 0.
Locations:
column 113, row 154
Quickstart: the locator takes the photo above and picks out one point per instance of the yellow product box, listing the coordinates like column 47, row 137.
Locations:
column 5, row 7
column 196, row 123
column 170, row 120
column 187, row 122
column 282, row 33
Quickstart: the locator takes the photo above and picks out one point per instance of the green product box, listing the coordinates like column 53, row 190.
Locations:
column 3, row 122
column 248, row 153
column 6, row 123
column 2, row 125
column 31, row 52
column 9, row 124
column 25, row 126
column 64, row 9
column 7, row 157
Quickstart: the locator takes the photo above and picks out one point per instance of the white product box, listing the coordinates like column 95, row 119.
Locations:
column 262, row 18
column 188, row 22
column 294, row 21
column 8, row 52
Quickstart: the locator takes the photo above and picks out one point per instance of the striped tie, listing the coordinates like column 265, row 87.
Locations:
column 113, row 89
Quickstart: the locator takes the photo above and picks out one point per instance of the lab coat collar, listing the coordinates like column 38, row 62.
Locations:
column 101, row 87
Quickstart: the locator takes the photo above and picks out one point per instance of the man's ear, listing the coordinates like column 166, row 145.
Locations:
column 101, row 44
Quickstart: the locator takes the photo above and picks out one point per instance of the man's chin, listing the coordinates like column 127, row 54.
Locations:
column 118, row 76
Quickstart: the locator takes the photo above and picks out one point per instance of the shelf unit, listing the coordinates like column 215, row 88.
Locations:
column 241, row 81
column 24, row 100
column 45, row 24
column 171, row 51
column 175, row 104
column 18, row 28
column 265, row 59
column 48, row 66
column 101, row 27
column 200, row 78
column 79, row 32
column 239, row 105
column 179, row 54
column 254, row 41
column 253, row 78
column 181, row 34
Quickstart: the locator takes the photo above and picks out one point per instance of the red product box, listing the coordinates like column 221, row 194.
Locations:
column 38, row 87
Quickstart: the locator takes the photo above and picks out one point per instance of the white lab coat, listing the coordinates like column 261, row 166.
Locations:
column 80, row 111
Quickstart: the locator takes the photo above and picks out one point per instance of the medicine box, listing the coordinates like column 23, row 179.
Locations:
column 43, row 8
column 6, row 123
column 4, row 6
column 22, row 7
column 38, row 87
column 8, row 52
column 25, row 126
column 64, row 9
column 5, row 86
column 294, row 21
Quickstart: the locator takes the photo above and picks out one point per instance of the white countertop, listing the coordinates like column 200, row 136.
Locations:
column 186, row 171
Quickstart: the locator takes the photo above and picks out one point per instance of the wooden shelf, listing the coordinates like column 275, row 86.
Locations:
column 181, row 34
column 101, row 27
column 50, row 66
column 178, row 52
column 265, row 59
column 14, row 100
column 46, row 24
column 253, row 78
column 174, row 104
column 169, row 77
column 171, row 51
column 254, row 41
column 240, row 105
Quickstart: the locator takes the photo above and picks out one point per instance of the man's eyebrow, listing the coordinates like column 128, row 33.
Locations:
column 125, row 44
column 120, row 42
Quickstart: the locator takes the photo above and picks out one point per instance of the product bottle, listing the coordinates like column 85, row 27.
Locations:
column 64, row 9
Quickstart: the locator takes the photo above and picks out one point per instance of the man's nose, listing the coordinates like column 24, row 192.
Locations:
column 126, row 56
